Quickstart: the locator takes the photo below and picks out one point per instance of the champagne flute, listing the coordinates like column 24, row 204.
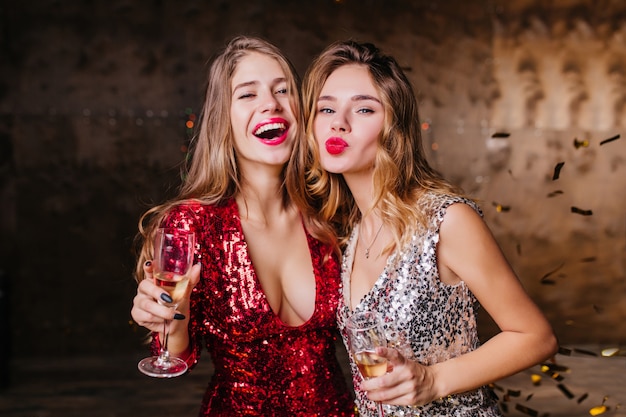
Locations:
column 173, row 258
column 365, row 334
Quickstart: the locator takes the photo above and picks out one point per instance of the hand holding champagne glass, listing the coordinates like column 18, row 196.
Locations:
column 173, row 258
column 365, row 334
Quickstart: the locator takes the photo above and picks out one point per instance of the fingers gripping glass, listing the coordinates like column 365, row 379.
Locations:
column 365, row 334
column 173, row 258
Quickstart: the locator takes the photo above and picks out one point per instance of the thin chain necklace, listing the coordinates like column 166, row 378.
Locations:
column 367, row 250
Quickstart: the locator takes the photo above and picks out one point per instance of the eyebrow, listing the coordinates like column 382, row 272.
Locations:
column 255, row 82
column 358, row 97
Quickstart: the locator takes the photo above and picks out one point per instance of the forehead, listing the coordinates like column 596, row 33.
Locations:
column 257, row 67
column 351, row 78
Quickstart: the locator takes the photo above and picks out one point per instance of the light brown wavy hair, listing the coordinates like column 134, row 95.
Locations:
column 401, row 174
column 211, row 174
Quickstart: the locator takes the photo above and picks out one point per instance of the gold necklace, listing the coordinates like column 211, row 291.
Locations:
column 367, row 250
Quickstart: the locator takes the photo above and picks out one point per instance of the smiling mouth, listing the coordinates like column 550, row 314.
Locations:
column 271, row 131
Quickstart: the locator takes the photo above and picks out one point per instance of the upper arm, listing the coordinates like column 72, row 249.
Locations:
column 468, row 249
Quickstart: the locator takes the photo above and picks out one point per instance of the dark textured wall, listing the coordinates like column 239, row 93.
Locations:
column 94, row 96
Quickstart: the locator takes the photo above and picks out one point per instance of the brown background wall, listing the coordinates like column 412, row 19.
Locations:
column 94, row 96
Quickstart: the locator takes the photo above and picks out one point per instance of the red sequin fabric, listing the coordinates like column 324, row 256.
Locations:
column 263, row 367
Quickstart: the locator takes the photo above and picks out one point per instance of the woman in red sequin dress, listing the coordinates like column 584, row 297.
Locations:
column 266, row 282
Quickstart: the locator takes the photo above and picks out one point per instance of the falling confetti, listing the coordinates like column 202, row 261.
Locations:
column 581, row 211
column 535, row 379
column 500, row 135
column 544, row 279
column 565, row 391
column 557, row 171
column 555, row 193
column 526, row 410
column 596, row 411
column 611, row 139
column 582, row 398
column 500, row 208
column 581, row 143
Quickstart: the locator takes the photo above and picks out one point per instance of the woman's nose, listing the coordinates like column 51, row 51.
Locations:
column 340, row 123
column 271, row 104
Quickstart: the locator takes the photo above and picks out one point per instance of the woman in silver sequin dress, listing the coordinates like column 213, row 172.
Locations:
column 416, row 250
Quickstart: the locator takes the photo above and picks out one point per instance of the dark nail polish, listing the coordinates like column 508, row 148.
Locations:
column 148, row 263
column 166, row 297
column 179, row 316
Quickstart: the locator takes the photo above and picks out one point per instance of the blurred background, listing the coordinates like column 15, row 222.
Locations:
column 523, row 104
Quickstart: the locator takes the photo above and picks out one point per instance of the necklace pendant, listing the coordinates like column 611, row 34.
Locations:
column 367, row 253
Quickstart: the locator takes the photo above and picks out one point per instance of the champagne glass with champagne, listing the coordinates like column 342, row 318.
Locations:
column 365, row 334
column 173, row 258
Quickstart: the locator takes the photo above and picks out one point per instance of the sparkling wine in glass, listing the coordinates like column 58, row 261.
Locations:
column 173, row 258
column 365, row 334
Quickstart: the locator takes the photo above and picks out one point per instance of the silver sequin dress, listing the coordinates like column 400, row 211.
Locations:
column 425, row 319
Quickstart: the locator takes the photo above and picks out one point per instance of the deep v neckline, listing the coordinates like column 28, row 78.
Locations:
column 349, row 259
column 257, row 281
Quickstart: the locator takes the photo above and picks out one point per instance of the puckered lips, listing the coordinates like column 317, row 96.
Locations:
column 272, row 131
column 335, row 145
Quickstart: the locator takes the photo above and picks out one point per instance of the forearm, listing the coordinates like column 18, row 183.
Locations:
column 503, row 355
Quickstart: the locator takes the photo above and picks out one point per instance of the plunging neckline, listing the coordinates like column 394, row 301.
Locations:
column 257, row 281
column 346, row 273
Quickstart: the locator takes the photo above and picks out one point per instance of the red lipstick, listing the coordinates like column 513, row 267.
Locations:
column 272, row 131
column 335, row 145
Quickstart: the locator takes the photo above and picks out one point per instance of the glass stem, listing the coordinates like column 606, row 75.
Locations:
column 381, row 412
column 164, row 354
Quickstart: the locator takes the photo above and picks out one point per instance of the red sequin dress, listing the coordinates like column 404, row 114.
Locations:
column 263, row 367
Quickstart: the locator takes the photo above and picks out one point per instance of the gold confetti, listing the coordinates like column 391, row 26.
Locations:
column 535, row 379
column 596, row 411
column 557, row 171
column 500, row 208
column 581, row 143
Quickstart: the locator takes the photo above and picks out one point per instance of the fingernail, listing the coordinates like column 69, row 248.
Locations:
column 179, row 316
column 148, row 263
column 166, row 297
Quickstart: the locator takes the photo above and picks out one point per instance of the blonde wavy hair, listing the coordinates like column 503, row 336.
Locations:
column 402, row 174
column 210, row 175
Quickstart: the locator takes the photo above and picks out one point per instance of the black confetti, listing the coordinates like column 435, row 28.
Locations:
column 500, row 135
column 565, row 391
column 585, row 352
column 526, row 410
column 611, row 139
column 555, row 193
column 582, row 398
column 557, row 171
column 581, row 211
column 543, row 278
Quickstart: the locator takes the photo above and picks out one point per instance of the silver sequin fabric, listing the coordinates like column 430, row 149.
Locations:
column 425, row 319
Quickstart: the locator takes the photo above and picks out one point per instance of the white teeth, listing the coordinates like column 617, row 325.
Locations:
column 269, row 126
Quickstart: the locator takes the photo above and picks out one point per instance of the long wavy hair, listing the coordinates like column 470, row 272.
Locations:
column 211, row 175
column 401, row 175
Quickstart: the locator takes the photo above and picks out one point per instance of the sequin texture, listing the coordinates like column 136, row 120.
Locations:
column 425, row 319
column 263, row 367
